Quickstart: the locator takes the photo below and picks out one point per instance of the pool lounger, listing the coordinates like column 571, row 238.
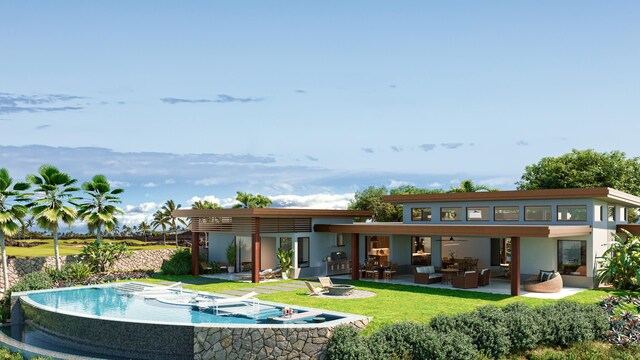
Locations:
column 234, row 300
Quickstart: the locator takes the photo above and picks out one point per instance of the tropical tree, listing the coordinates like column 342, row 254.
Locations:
column 54, row 195
column 114, row 231
column 98, row 210
column 620, row 263
column 24, row 228
column 160, row 219
column 469, row 186
column 205, row 204
column 248, row 200
column 168, row 208
column 11, row 214
column 144, row 228
column 370, row 199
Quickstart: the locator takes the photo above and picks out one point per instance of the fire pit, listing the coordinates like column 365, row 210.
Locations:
column 341, row 290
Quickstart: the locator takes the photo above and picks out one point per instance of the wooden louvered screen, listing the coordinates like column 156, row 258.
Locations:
column 245, row 225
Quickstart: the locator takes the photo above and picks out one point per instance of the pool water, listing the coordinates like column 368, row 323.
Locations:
column 110, row 302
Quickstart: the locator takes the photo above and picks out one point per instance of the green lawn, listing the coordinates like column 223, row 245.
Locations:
column 68, row 248
column 392, row 303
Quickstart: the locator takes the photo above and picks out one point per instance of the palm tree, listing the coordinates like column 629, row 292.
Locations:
column 169, row 207
column 206, row 204
column 144, row 227
column 161, row 220
column 248, row 200
column 115, row 230
column 10, row 214
column 98, row 209
column 29, row 224
column 469, row 186
column 54, row 195
column 126, row 230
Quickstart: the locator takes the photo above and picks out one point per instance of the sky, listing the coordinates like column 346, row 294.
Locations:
column 308, row 102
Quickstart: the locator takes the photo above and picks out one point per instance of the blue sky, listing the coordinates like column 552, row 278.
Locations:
column 308, row 102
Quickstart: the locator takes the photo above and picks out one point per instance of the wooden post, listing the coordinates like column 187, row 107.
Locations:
column 195, row 253
column 255, row 252
column 515, row 266
column 355, row 257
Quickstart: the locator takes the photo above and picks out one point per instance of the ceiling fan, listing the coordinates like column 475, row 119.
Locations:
column 452, row 242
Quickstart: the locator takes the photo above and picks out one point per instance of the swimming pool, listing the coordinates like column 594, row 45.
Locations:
column 118, row 321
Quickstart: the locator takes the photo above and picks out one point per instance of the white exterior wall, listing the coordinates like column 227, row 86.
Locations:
column 537, row 254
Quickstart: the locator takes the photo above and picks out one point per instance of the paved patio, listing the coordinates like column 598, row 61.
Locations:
column 496, row 286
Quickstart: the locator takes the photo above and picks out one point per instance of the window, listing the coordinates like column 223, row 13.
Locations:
column 572, row 257
column 420, row 250
column 597, row 213
column 303, row 252
column 611, row 213
column 451, row 214
column 506, row 213
column 537, row 213
column 623, row 213
column 478, row 213
column 420, row 214
column 286, row 243
column 572, row 213
column 500, row 251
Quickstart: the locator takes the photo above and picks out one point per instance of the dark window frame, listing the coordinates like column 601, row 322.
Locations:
column 583, row 255
column 586, row 213
column 481, row 208
column 422, row 214
column 495, row 212
column 539, row 206
column 308, row 251
column 457, row 218
column 598, row 215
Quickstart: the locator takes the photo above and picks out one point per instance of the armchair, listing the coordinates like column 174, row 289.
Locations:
column 426, row 275
column 467, row 280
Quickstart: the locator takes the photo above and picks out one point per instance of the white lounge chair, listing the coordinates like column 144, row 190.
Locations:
column 160, row 290
column 234, row 300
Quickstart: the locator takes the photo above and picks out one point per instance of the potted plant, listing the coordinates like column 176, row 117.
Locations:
column 285, row 256
column 452, row 254
column 231, row 256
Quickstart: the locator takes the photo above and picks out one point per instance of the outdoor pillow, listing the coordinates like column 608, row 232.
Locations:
column 421, row 269
column 469, row 272
column 483, row 271
column 545, row 275
column 430, row 270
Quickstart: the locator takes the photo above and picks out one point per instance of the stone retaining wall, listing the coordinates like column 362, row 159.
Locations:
column 264, row 343
column 142, row 259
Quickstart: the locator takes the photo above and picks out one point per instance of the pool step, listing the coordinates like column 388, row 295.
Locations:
column 130, row 288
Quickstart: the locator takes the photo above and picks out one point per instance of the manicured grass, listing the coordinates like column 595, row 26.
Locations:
column 392, row 302
column 68, row 248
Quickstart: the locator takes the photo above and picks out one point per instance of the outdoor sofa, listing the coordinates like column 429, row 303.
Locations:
column 426, row 275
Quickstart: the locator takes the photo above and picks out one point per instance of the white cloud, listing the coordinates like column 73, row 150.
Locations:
column 135, row 214
column 398, row 183
column 170, row 181
column 116, row 183
column 150, row 184
column 497, row 181
column 434, row 185
column 313, row 201
column 210, row 181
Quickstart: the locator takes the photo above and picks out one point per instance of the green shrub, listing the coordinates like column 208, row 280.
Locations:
column 347, row 344
column 101, row 255
column 486, row 326
column 567, row 322
column 524, row 326
column 396, row 341
column 439, row 346
column 178, row 264
column 77, row 271
column 38, row 280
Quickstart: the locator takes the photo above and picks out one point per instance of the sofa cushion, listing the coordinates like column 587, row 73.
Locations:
column 435, row 275
column 483, row 271
column 430, row 269
column 469, row 272
column 421, row 269
column 545, row 275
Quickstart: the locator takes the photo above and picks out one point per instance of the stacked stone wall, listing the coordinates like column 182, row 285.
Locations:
column 142, row 259
column 264, row 343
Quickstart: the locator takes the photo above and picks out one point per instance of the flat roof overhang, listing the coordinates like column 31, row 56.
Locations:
column 270, row 213
column 603, row 193
column 544, row 231
column 634, row 229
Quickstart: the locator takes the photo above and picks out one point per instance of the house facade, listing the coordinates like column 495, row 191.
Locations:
column 521, row 232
